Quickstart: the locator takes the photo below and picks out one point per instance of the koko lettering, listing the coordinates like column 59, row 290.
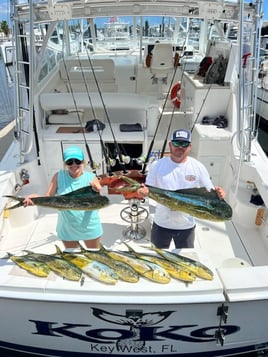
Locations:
column 146, row 333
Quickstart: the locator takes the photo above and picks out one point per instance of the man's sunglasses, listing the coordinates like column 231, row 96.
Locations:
column 177, row 143
column 73, row 161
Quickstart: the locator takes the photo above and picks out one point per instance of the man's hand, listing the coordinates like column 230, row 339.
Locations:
column 220, row 191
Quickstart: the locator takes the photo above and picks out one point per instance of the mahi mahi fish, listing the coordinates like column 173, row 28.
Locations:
column 61, row 267
column 174, row 270
column 124, row 271
column 90, row 267
column 32, row 266
column 144, row 269
column 192, row 265
column 198, row 202
column 85, row 199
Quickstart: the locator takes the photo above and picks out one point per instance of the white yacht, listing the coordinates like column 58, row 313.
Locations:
column 152, row 86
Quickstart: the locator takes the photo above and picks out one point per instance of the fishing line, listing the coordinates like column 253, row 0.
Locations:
column 79, row 118
column 121, row 161
column 161, row 115
column 104, row 148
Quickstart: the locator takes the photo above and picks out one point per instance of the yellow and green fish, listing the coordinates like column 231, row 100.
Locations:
column 174, row 270
column 32, row 266
column 125, row 271
column 193, row 266
column 61, row 267
column 198, row 202
column 92, row 268
column 143, row 268
column 84, row 199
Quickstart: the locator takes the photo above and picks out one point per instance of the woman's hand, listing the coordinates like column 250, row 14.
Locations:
column 95, row 184
column 27, row 201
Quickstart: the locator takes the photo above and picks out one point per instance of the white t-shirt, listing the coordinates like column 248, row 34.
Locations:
column 170, row 175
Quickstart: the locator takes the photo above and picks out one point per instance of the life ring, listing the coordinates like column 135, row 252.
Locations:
column 175, row 95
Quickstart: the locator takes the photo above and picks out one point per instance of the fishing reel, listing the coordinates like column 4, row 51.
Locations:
column 95, row 166
column 124, row 159
column 153, row 156
column 140, row 160
column 111, row 162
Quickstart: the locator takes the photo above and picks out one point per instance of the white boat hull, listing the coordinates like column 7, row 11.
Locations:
column 59, row 328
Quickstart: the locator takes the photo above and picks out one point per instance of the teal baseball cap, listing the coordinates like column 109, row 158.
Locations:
column 73, row 152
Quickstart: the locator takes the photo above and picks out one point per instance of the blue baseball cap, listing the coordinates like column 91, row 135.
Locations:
column 73, row 152
column 181, row 135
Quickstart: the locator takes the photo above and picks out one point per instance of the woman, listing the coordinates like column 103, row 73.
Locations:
column 73, row 225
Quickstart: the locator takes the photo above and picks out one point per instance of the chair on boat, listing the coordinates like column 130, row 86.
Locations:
column 162, row 62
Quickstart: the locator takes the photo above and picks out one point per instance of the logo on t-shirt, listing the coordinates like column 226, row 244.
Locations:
column 190, row 178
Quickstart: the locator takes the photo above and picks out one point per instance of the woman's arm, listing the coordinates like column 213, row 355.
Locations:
column 52, row 189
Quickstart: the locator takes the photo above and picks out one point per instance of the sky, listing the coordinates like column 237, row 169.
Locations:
column 4, row 10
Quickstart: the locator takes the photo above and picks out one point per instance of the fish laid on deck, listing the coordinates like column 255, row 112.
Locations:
column 144, row 269
column 125, row 271
column 198, row 202
column 174, row 270
column 194, row 266
column 85, row 199
column 61, row 267
column 32, row 266
column 90, row 267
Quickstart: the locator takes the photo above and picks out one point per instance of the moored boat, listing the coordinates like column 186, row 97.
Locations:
column 138, row 93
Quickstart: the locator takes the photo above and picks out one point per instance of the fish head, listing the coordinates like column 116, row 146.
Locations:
column 222, row 211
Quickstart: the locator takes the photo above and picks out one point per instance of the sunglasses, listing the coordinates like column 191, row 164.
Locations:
column 183, row 144
column 73, row 161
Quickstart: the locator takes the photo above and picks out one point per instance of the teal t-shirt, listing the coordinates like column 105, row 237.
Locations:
column 76, row 225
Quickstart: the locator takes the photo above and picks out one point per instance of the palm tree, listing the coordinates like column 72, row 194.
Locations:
column 4, row 27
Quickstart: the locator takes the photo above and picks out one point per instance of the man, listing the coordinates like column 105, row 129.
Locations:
column 178, row 171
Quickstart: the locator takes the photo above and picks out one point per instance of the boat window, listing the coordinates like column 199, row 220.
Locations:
column 125, row 33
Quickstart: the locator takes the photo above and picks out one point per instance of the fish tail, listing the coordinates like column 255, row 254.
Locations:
column 102, row 248
column 7, row 256
column 20, row 199
column 83, row 250
column 129, row 248
column 58, row 250
column 134, row 185
column 28, row 252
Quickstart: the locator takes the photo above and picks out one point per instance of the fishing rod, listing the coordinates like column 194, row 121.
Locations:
column 92, row 164
column 169, row 125
column 176, row 62
column 104, row 148
column 201, row 106
column 166, row 138
column 159, row 120
column 121, row 160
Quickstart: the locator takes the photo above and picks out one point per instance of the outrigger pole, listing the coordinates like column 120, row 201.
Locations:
column 159, row 121
column 104, row 148
column 121, row 161
column 80, row 121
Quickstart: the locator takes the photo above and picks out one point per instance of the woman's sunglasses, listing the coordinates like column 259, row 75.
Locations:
column 177, row 143
column 73, row 161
